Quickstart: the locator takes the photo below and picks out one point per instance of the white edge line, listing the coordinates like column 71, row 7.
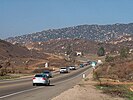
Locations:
column 19, row 92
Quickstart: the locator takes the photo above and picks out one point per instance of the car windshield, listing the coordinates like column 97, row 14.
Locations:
column 72, row 66
column 40, row 75
column 63, row 68
column 46, row 71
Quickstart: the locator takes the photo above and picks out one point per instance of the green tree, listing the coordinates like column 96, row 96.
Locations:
column 101, row 51
column 124, row 52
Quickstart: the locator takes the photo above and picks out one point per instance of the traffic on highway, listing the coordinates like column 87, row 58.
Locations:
column 43, row 78
column 17, row 89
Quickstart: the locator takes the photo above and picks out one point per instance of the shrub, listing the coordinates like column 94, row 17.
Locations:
column 101, row 51
column 109, row 59
column 124, row 52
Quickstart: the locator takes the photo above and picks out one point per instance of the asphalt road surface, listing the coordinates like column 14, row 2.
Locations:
column 23, row 89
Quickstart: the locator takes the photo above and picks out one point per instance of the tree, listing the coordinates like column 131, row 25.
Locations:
column 124, row 52
column 69, row 50
column 3, row 70
column 101, row 51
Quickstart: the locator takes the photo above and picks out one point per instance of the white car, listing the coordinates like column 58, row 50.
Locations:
column 41, row 79
column 72, row 67
column 64, row 70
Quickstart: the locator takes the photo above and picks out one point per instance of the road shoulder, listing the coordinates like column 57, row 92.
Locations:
column 85, row 90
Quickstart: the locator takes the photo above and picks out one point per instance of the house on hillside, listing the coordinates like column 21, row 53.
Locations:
column 79, row 53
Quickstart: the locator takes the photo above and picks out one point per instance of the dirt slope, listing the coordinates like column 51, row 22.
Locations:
column 85, row 90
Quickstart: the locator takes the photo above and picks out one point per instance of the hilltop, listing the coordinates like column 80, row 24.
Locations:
column 83, row 38
column 98, row 33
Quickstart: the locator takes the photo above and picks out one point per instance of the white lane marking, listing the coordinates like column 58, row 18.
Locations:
column 40, row 87
column 19, row 92
column 72, row 77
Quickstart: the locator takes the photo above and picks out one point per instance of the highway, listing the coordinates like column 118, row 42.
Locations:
column 23, row 90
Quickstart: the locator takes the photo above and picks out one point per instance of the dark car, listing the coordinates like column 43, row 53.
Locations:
column 81, row 65
column 48, row 73
column 89, row 62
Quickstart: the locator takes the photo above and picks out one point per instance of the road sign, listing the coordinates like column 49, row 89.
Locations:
column 46, row 65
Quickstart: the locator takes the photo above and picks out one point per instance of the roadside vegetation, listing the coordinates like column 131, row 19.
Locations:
column 8, row 77
column 30, row 66
column 115, row 76
column 117, row 90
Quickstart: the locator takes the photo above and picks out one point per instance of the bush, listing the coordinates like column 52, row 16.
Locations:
column 109, row 59
column 3, row 72
column 101, row 51
column 124, row 52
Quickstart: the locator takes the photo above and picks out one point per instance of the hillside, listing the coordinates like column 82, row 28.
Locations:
column 88, row 32
column 118, row 69
column 58, row 46
column 7, row 50
column 62, row 45
column 18, row 59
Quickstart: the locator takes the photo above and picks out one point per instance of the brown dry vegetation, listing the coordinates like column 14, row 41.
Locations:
column 18, row 59
column 116, row 77
column 120, row 69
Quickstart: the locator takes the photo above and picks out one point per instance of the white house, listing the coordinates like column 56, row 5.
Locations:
column 79, row 53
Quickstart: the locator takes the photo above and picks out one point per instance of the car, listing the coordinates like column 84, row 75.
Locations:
column 94, row 63
column 64, row 70
column 48, row 73
column 41, row 79
column 81, row 65
column 89, row 62
column 72, row 67
column 85, row 64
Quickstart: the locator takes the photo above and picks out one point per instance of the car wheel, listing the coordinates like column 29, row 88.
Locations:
column 34, row 84
column 48, row 83
column 44, row 84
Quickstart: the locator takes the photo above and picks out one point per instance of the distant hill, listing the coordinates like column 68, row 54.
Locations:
column 88, row 32
column 23, row 60
column 57, row 46
column 62, row 45
column 8, row 50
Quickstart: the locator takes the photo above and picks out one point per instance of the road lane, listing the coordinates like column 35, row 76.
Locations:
column 24, row 87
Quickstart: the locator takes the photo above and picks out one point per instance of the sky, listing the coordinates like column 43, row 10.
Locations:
column 19, row 17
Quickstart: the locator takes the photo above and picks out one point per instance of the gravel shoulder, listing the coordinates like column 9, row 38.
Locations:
column 85, row 90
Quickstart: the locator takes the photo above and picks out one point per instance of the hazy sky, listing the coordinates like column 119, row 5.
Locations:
column 18, row 17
